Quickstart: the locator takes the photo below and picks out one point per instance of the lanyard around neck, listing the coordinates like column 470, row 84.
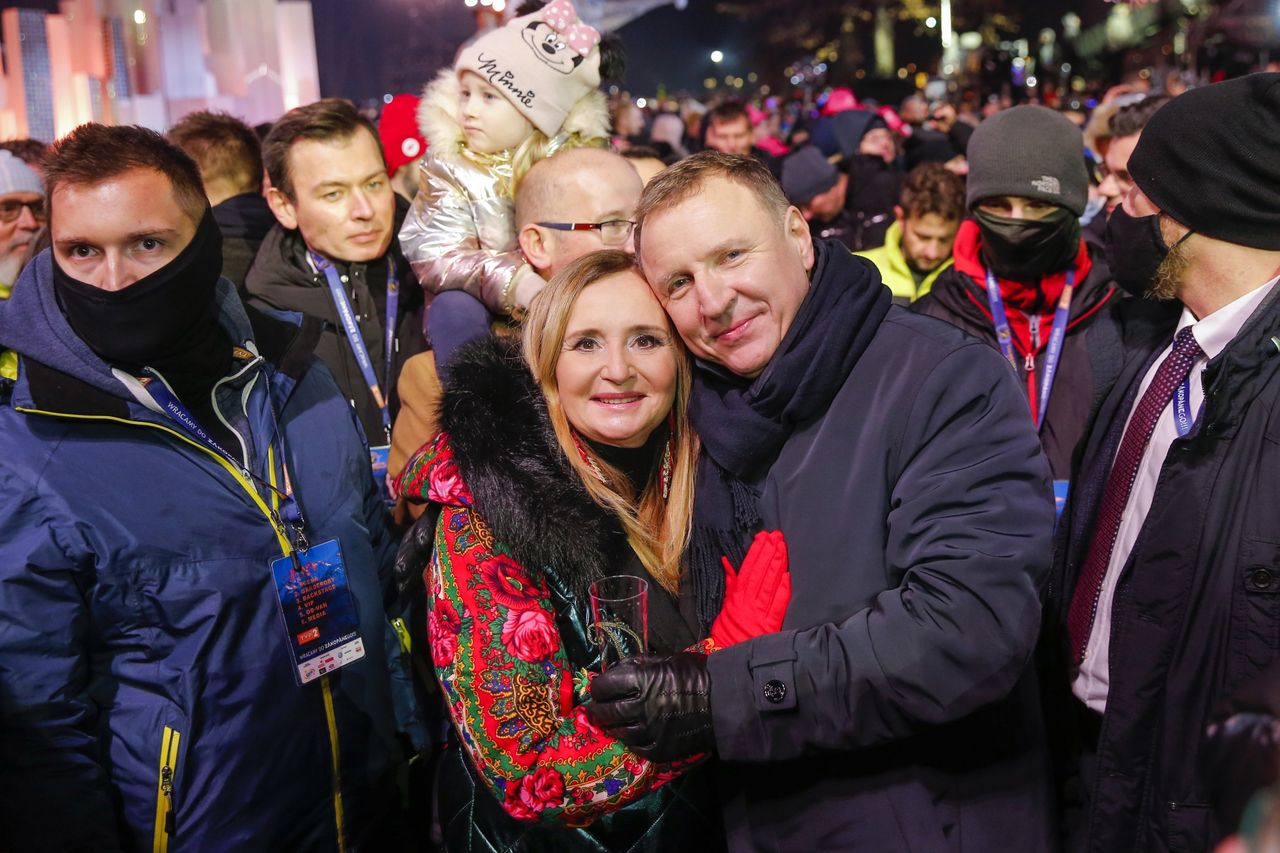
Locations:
column 1053, row 353
column 356, row 340
column 290, row 513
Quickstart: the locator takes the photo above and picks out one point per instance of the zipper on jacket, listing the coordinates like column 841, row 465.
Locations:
column 217, row 411
column 272, row 514
column 165, row 822
column 1033, row 328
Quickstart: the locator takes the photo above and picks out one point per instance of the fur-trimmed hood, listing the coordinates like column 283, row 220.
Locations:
column 495, row 421
column 438, row 115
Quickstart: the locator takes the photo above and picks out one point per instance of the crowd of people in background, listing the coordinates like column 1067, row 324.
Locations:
column 937, row 431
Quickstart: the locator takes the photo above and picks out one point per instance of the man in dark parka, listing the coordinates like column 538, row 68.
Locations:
column 1167, row 587
column 895, row 710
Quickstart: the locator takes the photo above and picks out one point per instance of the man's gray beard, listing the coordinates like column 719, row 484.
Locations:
column 1168, row 278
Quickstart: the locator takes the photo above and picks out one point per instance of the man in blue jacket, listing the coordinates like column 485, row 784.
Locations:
column 895, row 710
column 193, row 555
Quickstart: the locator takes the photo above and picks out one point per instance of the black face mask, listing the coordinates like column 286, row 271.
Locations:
column 1029, row 249
column 1135, row 250
column 167, row 320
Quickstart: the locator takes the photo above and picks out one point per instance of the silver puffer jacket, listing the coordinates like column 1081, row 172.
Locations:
column 460, row 233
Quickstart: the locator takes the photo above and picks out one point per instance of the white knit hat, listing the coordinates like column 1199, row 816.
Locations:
column 16, row 176
column 543, row 63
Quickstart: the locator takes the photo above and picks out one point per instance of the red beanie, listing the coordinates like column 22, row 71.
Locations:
column 402, row 141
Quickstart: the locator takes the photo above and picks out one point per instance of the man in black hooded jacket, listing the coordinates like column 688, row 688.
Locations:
column 895, row 710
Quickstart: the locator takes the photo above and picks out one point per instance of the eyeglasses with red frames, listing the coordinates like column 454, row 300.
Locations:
column 613, row 232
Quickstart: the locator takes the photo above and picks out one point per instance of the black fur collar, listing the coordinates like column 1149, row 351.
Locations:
column 524, row 488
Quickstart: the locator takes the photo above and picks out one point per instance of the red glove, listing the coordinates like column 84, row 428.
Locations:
column 756, row 596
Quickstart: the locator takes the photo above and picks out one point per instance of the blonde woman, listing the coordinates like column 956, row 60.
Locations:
column 561, row 463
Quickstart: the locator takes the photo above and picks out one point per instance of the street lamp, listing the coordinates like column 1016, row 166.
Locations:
column 716, row 56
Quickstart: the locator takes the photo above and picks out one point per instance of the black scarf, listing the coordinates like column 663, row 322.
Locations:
column 167, row 321
column 744, row 424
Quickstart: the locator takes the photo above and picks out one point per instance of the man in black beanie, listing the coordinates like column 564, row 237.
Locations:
column 1167, row 585
column 1025, row 280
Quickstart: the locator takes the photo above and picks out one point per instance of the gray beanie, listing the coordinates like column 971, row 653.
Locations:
column 16, row 176
column 1032, row 152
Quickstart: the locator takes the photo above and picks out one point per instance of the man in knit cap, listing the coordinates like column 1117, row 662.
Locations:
column 22, row 215
column 1026, row 281
column 1166, row 596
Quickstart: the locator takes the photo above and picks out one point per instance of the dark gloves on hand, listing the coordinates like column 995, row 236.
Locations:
column 658, row 706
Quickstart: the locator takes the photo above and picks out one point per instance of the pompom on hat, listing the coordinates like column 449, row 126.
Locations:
column 398, row 131
column 543, row 63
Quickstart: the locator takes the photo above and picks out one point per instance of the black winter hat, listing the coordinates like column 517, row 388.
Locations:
column 1032, row 152
column 805, row 174
column 1210, row 158
column 928, row 146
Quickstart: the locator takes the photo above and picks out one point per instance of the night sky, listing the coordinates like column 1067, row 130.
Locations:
column 410, row 39
column 370, row 48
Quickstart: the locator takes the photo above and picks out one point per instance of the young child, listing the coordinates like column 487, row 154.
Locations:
column 515, row 95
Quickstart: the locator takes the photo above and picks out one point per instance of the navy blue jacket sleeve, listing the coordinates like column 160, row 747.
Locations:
column 56, row 793
column 968, row 536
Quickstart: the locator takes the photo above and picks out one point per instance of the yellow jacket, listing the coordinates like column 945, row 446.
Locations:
column 894, row 269
column 8, row 358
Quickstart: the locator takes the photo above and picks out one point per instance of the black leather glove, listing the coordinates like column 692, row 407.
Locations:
column 658, row 706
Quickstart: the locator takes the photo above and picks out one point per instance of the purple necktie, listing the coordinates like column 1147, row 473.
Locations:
column 1084, row 602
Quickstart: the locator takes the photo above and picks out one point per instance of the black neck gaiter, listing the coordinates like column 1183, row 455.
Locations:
column 1027, row 250
column 167, row 321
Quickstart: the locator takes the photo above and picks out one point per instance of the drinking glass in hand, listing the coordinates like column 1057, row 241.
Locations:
column 620, row 618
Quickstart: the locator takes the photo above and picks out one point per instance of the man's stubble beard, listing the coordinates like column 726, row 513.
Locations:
column 1168, row 278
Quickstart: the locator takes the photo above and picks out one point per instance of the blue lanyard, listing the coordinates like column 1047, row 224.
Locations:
column 355, row 340
column 1182, row 418
column 290, row 514
column 1053, row 353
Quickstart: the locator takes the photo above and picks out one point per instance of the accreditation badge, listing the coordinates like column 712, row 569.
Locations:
column 1060, row 490
column 321, row 625
column 378, row 461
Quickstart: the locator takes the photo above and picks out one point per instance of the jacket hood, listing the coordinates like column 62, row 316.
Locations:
column 245, row 215
column 496, row 421
column 32, row 324
column 282, row 279
column 438, row 115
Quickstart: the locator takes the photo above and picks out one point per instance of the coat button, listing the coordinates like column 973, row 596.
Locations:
column 775, row 691
column 1261, row 579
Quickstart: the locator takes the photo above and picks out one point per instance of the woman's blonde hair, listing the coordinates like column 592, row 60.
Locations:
column 656, row 528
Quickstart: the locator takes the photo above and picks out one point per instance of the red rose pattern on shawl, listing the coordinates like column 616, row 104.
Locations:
column 517, row 706
column 530, row 635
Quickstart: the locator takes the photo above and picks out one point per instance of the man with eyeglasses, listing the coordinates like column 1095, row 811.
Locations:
column 22, row 215
column 568, row 205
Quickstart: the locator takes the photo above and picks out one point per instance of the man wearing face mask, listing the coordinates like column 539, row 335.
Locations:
column 192, row 549
column 1024, row 278
column 1167, row 583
